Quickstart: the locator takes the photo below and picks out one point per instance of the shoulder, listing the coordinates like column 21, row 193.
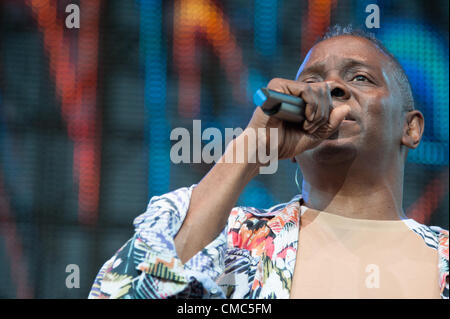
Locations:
column 436, row 238
column 241, row 214
column 248, row 227
column 442, row 237
column 433, row 236
column 440, row 232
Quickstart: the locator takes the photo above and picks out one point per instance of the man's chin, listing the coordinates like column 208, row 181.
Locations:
column 335, row 149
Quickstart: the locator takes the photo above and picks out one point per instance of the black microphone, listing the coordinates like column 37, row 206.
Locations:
column 282, row 106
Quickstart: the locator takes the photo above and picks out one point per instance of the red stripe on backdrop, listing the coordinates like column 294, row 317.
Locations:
column 422, row 209
column 76, row 85
column 318, row 21
column 203, row 17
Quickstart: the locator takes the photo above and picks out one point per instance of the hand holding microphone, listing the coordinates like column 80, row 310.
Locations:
column 302, row 112
column 282, row 106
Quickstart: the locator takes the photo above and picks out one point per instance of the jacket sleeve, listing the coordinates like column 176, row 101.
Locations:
column 147, row 265
column 443, row 260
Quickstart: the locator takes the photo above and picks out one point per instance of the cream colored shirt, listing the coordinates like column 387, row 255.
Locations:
column 340, row 257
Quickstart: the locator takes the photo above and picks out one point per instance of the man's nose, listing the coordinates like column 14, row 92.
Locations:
column 339, row 91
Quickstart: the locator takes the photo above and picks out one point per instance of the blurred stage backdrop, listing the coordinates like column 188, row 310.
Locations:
column 86, row 114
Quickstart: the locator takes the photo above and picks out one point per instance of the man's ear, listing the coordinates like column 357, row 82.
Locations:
column 413, row 129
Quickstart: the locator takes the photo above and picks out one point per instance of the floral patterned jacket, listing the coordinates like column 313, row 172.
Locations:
column 253, row 257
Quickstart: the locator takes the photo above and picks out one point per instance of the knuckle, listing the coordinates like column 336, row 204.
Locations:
column 275, row 82
column 311, row 107
column 319, row 118
column 306, row 125
column 321, row 111
column 330, row 83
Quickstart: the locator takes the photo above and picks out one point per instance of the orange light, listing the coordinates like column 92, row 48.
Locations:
column 76, row 85
column 318, row 20
column 203, row 17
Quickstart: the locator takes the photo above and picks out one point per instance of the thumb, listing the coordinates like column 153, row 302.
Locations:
column 337, row 115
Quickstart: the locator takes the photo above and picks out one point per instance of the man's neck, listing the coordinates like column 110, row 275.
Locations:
column 359, row 195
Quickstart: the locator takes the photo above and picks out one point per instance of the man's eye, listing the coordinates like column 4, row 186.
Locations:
column 360, row 78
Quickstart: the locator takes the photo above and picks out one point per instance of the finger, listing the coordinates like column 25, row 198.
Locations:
column 337, row 115
column 318, row 114
column 307, row 125
column 323, row 109
column 311, row 127
column 310, row 98
column 329, row 99
column 286, row 86
column 323, row 122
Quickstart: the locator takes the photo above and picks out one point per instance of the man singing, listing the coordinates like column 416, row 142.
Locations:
column 344, row 236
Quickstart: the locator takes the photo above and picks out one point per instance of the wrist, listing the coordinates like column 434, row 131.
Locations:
column 241, row 154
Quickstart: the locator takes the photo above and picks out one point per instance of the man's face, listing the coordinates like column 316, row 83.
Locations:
column 373, row 131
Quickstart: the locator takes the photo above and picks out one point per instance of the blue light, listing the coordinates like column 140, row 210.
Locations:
column 256, row 194
column 153, row 57
column 424, row 57
column 265, row 26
